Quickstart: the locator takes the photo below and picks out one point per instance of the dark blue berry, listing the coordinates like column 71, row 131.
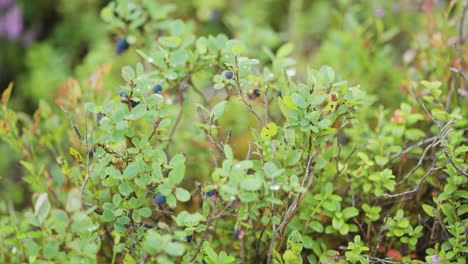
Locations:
column 160, row 199
column 121, row 45
column 123, row 94
column 99, row 117
column 229, row 74
column 157, row 88
column 211, row 192
column 256, row 92
column 189, row 238
column 279, row 94
column 134, row 103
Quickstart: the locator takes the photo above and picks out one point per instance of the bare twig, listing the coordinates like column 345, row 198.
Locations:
column 421, row 181
column 416, row 145
column 249, row 106
column 462, row 23
column 292, row 209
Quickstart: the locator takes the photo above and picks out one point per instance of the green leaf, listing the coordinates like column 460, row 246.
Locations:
column 128, row 259
column 328, row 74
column 380, row 160
column 218, row 110
column 165, row 189
column 350, row 212
column 128, row 74
column 318, row 99
column 175, row 249
column 439, row 114
column 337, row 223
column 201, row 45
column 463, row 209
column 295, row 242
column 107, row 216
column 285, row 50
column 178, row 169
column 237, row 49
column 460, row 150
column 228, row 152
column 414, row 134
column 42, row 207
column 431, row 85
column 293, row 157
column 316, row 226
column 182, row 195
column 137, row 112
column 145, row 212
column 252, row 183
column 125, row 189
column 51, row 249
column 116, row 199
column 131, row 171
column 324, row 123
column 269, row 131
column 429, row 210
column 179, row 58
column 298, row 100
column 73, row 200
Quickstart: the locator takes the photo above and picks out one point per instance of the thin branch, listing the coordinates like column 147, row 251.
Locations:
column 292, row 209
column 416, row 145
column 462, row 23
column 249, row 106
column 421, row 181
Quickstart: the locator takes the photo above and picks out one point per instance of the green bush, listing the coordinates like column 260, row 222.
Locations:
column 220, row 150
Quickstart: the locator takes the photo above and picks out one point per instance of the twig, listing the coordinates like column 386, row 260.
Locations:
column 88, row 169
column 355, row 148
column 265, row 102
column 210, row 137
column 249, row 106
column 77, row 132
column 292, row 209
column 421, row 181
column 416, row 145
column 462, row 23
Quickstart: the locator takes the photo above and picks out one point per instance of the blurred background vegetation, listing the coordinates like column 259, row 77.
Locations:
column 367, row 42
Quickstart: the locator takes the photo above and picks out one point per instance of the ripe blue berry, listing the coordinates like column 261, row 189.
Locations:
column 256, row 92
column 229, row 74
column 279, row 94
column 157, row 88
column 189, row 238
column 121, row 45
column 211, row 192
column 123, row 94
column 99, row 116
column 134, row 103
column 160, row 199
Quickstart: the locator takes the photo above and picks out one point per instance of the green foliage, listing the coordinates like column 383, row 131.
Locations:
column 277, row 162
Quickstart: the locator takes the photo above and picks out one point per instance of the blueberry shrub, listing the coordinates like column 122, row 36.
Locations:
column 217, row 149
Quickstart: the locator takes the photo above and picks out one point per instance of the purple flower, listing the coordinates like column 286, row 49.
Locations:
column 11, row 23
column 435, row 259
column 5, row 3
column 462, row 92
column 379, row 12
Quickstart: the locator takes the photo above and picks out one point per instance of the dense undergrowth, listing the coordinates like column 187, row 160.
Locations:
column 226, row 138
